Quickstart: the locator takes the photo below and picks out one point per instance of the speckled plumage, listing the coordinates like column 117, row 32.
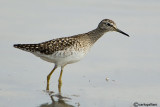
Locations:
column 55, row 49
column 77, row 42
column 66, row 50
column 48, row 47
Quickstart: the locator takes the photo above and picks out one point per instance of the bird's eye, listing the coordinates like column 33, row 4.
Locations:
column 108, row 24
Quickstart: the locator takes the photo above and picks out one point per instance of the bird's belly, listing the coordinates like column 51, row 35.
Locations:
column 61, row 58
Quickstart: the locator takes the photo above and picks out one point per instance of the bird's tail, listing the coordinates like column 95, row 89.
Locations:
column 27, row 47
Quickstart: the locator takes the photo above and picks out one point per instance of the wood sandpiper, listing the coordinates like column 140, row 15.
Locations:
column 67, row 50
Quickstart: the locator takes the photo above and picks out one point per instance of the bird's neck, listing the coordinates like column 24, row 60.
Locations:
column 95, row 34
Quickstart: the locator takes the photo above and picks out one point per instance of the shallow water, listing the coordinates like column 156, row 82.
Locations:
column 117, row 72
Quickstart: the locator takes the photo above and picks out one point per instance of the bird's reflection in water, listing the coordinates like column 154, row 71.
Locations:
column 61, row 100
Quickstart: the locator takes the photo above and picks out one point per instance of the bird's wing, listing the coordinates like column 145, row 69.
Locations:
column 54, row 45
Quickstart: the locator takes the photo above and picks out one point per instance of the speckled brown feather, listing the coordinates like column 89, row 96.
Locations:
column 80, row 42
column 48, row 47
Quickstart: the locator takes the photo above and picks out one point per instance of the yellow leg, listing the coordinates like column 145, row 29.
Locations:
column 48, row 77
column 60, row 77
column 60, row 80
column 59, row 88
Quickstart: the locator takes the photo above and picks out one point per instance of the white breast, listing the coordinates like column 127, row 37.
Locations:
column 61, row 58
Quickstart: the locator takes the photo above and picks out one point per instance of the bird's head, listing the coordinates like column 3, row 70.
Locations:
column 109, row 25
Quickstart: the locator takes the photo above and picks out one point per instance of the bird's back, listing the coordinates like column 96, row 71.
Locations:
column 48, row 47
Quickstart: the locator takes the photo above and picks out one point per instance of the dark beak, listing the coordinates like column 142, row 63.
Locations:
column 122, row 32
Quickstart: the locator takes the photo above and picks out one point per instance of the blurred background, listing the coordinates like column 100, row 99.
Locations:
column 117, row 72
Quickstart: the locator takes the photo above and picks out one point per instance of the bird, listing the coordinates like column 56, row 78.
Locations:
column 67, row 50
